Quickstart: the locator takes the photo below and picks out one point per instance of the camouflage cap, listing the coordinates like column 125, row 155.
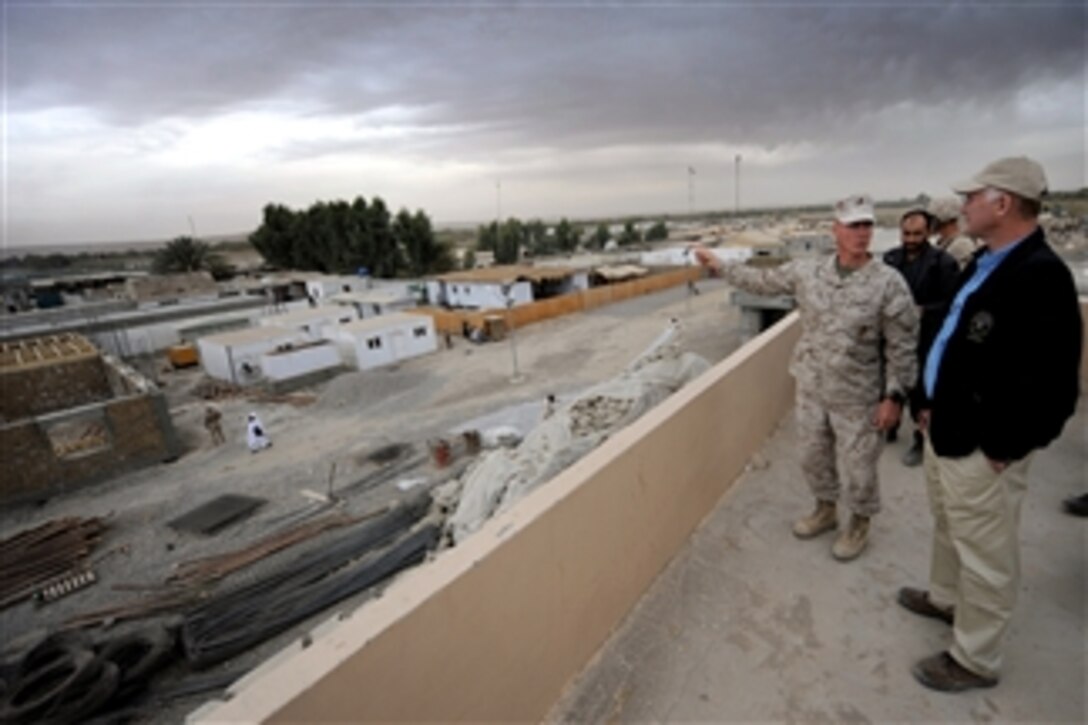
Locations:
column 1017, row 174
column 855, row 208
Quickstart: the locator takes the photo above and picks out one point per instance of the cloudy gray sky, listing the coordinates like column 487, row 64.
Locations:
column 122, row 119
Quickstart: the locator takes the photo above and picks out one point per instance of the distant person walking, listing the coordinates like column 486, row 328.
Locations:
column 854, row 364
column 256, row 437
column 931, row 275
column 1000, row 381
column 945, row 215
column 213, row 423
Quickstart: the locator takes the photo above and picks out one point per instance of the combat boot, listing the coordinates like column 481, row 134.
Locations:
column 852, row 541
column 820, row 520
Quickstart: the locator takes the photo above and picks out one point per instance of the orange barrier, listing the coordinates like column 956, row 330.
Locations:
column 452, row 321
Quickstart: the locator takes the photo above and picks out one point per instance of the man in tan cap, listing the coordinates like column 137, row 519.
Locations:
column 945, row 213
column 1000, row 381
column 854, row 364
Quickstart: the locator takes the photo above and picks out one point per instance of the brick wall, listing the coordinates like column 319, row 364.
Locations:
column 38, row 389
column 140, row 434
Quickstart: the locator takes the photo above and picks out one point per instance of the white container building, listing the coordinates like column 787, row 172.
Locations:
column 236, row 356
column 386, row 339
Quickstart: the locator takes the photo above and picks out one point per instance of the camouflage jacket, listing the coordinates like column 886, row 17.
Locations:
column 859, row 332
column 961, row 248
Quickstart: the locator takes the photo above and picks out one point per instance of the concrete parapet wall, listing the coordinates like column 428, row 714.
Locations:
column 493, row 629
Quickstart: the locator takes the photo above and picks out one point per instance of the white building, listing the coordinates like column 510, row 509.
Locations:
column 236, row 356
column 296, row 363
column 489, row 288
column 321, row 288
column 374, row 302
column 385, row 339
column 313, row 322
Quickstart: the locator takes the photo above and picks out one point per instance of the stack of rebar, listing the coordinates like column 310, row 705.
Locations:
column 37, row 556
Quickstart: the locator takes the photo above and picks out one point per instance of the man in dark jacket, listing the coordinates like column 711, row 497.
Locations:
column 931, row 275
column 1000, row 380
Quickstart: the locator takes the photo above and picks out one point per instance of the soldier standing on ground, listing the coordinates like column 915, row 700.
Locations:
column 854, row 364
column 931, row 275
column 214, row 425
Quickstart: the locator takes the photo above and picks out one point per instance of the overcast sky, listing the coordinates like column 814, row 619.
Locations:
column 124, row 119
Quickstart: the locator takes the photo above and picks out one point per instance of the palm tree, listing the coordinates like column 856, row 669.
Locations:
column 186, row 254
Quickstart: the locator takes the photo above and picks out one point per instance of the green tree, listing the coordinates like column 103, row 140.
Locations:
column 629, row 235
column 511, row 240
column 274, row 238
column 657, row 232
column 537, row 239
column 600, row 237
column 487, row 237
column 469, row 260
column 567, row 236
column 185, row 254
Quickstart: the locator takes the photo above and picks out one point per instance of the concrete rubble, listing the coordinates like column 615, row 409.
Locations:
column 504, row 476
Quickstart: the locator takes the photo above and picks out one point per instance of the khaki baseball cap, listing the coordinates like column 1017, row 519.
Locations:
column 856, row 208
column 946, row 208
column 1017, row 174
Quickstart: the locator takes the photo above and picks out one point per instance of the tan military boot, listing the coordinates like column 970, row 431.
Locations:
column 852, row 541
column 820, row 520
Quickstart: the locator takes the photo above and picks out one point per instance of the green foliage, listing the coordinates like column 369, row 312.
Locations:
column 537, row 239
column 629, row 235
column 341, row 237
column 567, row 236
column 487, row 237
column 469, row 260
column 657, row 232
column 511, row 240
column 600, row 237
column 185, row 254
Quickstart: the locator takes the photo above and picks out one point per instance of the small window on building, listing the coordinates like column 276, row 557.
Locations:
column 420, row 331
column 374, row 343
column 80, row 436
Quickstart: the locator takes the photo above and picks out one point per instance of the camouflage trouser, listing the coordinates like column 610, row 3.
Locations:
column 840, row 444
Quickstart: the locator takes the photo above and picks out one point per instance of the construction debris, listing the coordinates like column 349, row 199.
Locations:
column 36, row 557
column 65, row 585
column 213, row 568
column 210, row 517
column 504, row 476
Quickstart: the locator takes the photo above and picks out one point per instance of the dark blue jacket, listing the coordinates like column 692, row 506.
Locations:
column 1008, row 379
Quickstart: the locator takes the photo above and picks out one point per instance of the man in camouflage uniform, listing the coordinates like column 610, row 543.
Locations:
column 946, row 225
column 853, row 365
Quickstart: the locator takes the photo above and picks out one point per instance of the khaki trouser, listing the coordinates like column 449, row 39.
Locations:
column 976, row 551
column 840, row 444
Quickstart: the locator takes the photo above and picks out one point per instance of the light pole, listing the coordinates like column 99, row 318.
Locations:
column 691, row 190
column 507, row 289
column 736, row 186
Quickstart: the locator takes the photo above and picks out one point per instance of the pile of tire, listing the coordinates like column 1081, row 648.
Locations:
column 68, row 678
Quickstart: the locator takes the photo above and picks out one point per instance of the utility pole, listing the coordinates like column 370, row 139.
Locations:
column 192, row 226
column 737, row 185
column 691, row 190
column 507, row 291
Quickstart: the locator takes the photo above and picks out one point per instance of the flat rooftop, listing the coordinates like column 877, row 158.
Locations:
column 748, row 623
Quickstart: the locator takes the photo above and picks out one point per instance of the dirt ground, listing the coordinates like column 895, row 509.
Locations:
column 337, row 425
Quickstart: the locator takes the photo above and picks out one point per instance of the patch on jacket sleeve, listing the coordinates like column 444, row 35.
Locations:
column 979, row 326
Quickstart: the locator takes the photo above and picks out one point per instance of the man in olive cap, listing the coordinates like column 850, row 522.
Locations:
column 854, row 364
column 1000, row 380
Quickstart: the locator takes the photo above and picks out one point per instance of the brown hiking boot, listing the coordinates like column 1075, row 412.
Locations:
column 822, row 519
column 852, row 541
column 941, row 672
column 917, row 601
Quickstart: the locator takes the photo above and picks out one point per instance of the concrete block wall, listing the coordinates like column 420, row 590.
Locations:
column 140, row 433
column 37, row 389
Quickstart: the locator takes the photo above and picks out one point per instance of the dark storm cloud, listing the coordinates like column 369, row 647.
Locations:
column 559, row 76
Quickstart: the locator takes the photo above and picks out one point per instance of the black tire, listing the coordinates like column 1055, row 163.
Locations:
column 140, row 654
column 50, row 649
column 78, row 703
column 39, row 690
